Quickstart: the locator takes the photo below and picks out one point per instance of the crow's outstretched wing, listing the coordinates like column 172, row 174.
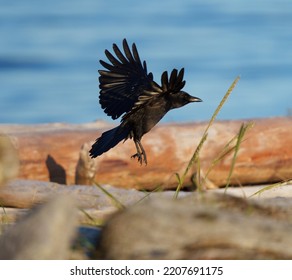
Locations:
column 125, row 79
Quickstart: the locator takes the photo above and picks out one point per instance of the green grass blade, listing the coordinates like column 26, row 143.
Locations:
column 117, row 203
column 225, row 97
column 204, row 137
column 147, row 194
column 94, row 221
column 191, row 163
column 243, row 129
column 224, row 152
column 272, row 186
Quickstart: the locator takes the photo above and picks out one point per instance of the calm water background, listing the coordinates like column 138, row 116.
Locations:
column 49, row 55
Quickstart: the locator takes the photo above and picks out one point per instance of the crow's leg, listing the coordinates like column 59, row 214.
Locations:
column 141, row 154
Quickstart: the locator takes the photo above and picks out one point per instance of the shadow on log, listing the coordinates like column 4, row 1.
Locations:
column 57, row 173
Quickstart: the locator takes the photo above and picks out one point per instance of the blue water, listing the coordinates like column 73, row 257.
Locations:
column 49, row 55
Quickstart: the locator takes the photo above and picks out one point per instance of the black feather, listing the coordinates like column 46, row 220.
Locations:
column 108, row 140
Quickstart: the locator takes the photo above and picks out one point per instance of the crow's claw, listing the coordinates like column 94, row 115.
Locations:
column 141, row 158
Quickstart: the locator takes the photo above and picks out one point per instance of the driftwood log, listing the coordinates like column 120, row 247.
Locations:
column 27, row 193
column 46, row 233
column 209, row 226
column 51, row 152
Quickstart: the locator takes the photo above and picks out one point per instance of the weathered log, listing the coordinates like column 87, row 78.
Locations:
column 106, row 199
column 46, row 233
column 50, row 153
column 27, row 193
column 91, row 216
column 199, row 226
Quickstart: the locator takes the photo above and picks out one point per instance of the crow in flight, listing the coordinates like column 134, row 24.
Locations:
column 126, row 88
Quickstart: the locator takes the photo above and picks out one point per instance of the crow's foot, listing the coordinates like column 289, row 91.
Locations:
column 141, row 154
column 141, row 158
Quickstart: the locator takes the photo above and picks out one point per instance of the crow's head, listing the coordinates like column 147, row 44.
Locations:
column 181, row 98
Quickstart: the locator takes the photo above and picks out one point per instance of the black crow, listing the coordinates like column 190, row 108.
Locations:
column 126, row 88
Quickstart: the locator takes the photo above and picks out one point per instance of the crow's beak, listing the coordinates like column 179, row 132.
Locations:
column 195, row 99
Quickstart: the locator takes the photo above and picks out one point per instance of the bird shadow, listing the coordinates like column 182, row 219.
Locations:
column 57, row 173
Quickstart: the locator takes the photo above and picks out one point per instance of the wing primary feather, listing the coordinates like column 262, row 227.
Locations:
column 111, row 74
column 173, row 78
column 180, row 75
column 119, row 54
column 145, row 66
column 112, row 59
column 136, row 55
column 128, row 51
column 106, row 65
column 164, row 81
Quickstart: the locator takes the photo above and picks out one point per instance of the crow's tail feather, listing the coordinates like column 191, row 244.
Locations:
column 108, row 140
